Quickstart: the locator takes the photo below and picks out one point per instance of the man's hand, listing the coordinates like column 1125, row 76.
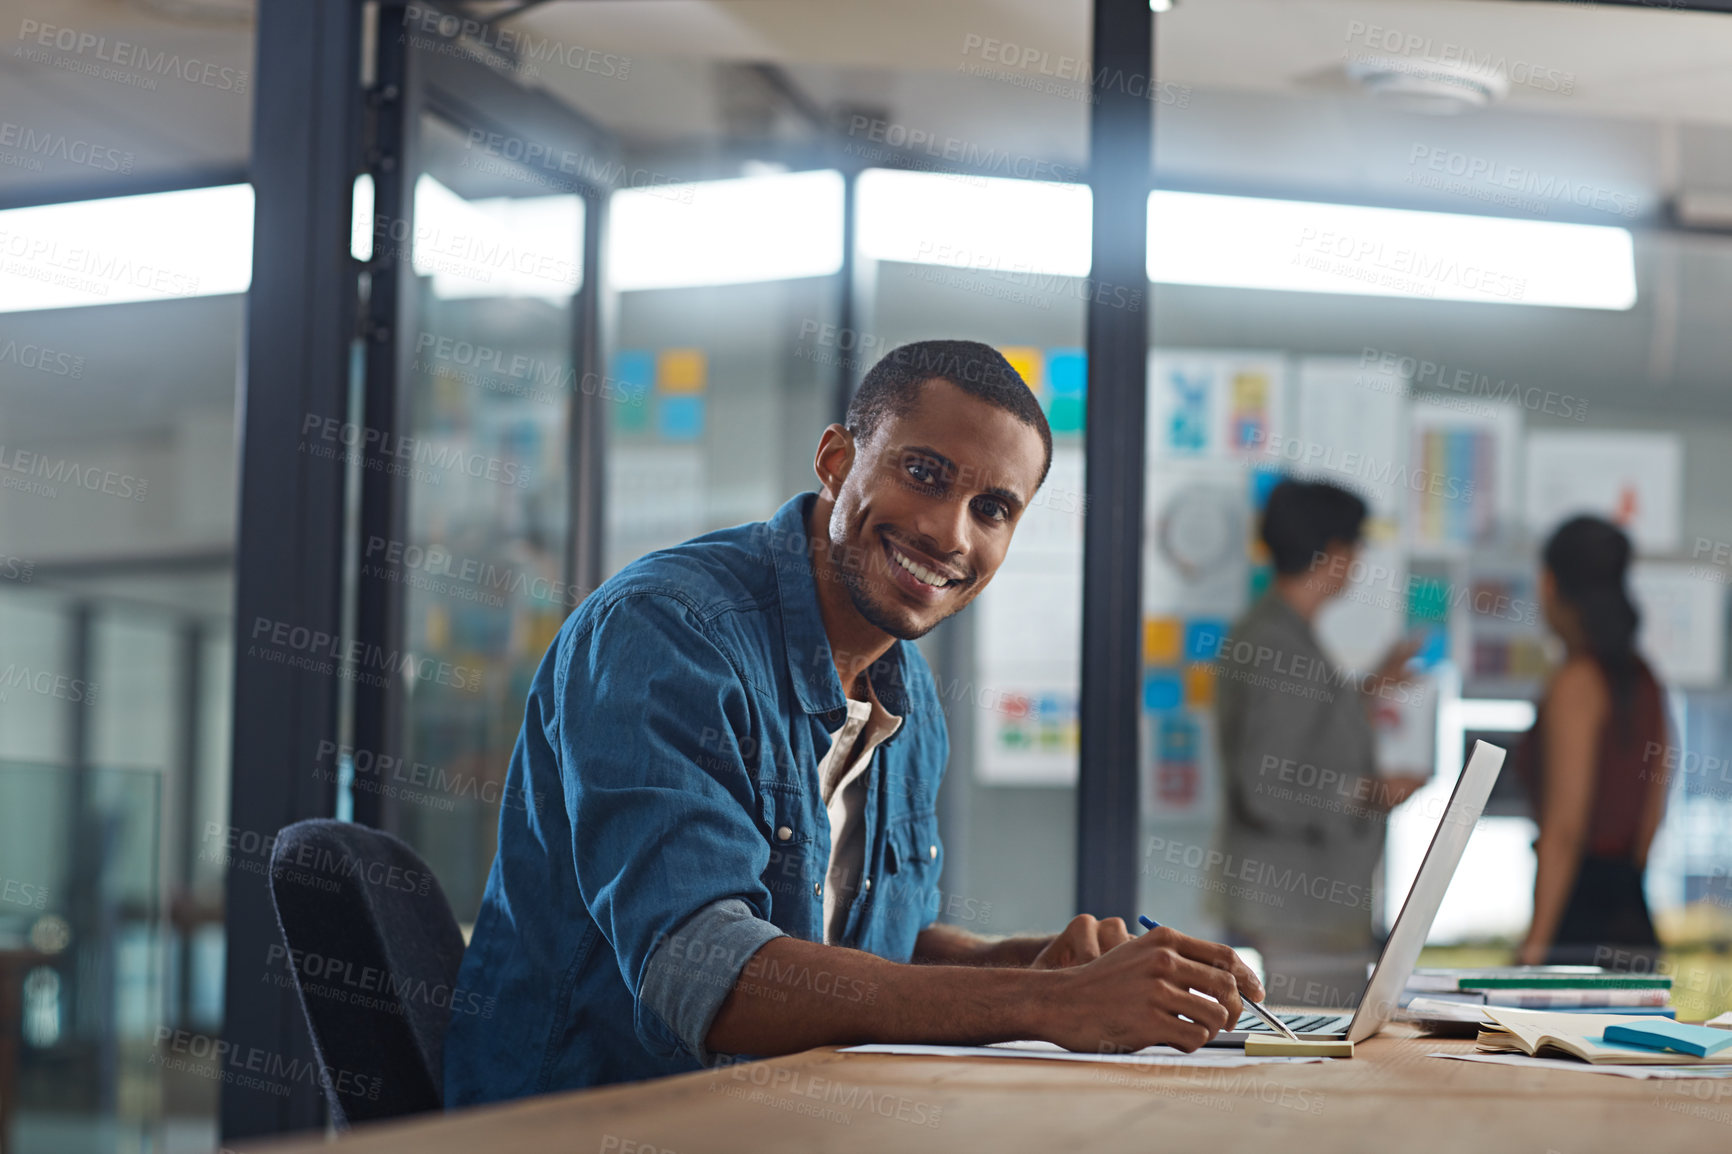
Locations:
column 1393, row 670
column 1084, row 940
column 1163, row 988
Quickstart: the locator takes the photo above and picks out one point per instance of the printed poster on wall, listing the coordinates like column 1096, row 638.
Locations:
column 1350, row 428
column 1462, row 490
column 1214, row 404
column 1683, row 628
column 1028, row 642
column 1632, row 479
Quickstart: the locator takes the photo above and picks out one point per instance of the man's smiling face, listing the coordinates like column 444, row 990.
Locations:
column 926, row 512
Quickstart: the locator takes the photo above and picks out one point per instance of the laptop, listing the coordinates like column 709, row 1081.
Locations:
column 1407, row 938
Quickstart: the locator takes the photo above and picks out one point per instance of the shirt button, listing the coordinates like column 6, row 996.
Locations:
column 818, row 890
column 784, row 834
column 866, row 884
column 932, row 852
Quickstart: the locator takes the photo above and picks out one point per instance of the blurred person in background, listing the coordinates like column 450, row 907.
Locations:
column 1594, row 763
column 1305, row 813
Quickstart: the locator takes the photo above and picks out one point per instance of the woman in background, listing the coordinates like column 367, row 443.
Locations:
column 1594, row 763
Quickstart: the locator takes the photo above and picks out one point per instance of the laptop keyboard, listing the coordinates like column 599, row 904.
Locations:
column 1298, row 1023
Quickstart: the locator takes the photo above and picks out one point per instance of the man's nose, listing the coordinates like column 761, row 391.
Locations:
column 945, row 526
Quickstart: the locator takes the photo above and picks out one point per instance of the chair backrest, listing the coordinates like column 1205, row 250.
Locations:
column 373, row 951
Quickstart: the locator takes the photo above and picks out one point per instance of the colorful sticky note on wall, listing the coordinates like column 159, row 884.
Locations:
column 1162, row 637
column 1028, row 364
column 1067, row 383
column 1176, row 777
column 634, row 371
column 1427, row 600
column 1066, row 415
column 1262, row 481
column 1248, row 427
column 682, row 371
column 1162, row 691
column 1067, row 372
column 1203, row 638
column 1261, row 578
column 680, row 418
column 1199, row 687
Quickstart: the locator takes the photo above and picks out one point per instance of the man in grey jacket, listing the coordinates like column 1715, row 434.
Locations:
column 1303, row 825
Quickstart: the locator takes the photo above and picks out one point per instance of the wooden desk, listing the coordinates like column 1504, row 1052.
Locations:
column 1389, row 1097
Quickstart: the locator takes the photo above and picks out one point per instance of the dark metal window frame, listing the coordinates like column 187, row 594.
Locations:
column 316, row 128
column 289, row 546
column 458, row 88
column 1121, row 138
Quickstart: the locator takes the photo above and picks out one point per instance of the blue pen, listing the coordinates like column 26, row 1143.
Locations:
column 1258, row 1008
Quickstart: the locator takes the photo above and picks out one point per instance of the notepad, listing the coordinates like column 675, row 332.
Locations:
column 1698, row 1040
column 1274, row 1046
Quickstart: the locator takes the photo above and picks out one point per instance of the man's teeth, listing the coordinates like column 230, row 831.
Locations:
column 921, row 573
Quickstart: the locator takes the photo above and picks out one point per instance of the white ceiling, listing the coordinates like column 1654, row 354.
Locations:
column 1626, row 63
column 1253, row 95
column 166, row 123
column 1265, row 111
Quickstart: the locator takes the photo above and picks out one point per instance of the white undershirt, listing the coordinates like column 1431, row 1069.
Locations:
column 843, row 788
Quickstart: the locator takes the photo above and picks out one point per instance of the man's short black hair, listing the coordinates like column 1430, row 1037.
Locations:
column 1303, row 518
column 892, row 387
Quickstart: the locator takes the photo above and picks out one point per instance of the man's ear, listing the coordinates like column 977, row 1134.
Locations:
column 834, row 460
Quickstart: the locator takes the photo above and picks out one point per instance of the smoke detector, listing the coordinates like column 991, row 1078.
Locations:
column 1429, row 87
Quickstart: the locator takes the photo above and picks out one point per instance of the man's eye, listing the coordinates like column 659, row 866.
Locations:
column 994, row 510
column 922, row 471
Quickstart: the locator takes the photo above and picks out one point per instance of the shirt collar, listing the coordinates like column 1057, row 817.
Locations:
column 811, row 666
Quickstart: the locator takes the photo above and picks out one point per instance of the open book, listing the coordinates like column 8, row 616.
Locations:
column 1578, row 1035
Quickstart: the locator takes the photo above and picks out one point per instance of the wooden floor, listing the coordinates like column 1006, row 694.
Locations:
column 1391, row 1097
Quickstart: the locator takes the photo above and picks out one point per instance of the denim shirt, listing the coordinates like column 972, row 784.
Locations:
column 672, row 821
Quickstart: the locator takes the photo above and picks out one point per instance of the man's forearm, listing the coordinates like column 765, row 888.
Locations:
column 954, row 946
column 795, row 994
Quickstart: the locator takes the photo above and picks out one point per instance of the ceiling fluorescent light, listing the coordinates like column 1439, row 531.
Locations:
column 1239, row 242
column 498, row 246
column 993, row 224
column 759, row 228
column 158, row 246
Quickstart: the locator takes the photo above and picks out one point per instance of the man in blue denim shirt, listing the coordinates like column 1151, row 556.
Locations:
column 731, row 756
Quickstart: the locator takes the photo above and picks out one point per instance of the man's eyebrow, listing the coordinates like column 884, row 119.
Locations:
column 1007, row 496
column 931, row 454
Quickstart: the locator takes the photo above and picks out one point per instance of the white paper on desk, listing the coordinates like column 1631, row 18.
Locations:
column 1150, row 1056
column 1580, row 1067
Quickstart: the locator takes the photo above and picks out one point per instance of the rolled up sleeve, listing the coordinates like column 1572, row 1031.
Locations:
column 666, row 838
column 690, row 973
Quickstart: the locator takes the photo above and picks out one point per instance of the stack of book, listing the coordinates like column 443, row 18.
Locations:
column 1457, row 996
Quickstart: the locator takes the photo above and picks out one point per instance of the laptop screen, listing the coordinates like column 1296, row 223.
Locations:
column 1407, row 937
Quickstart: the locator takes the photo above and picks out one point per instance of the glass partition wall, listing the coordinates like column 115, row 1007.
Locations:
column 645, row 258
column 775, row 227
column 1430, row 281
column 1450, row 257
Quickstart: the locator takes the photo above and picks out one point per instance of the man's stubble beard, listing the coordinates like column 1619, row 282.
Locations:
column 854, row 580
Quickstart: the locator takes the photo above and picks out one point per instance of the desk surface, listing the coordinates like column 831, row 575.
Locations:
column 1390, row 1096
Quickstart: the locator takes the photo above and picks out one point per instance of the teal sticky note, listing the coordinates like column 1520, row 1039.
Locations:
column 680, row 418
column 1066, row 414
column 1659, row 1034
column 634, row 368
column 1203, row 638
column 1067, row 372
column 1162, row 691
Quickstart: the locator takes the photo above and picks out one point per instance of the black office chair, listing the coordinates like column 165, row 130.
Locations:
column 373, row 950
